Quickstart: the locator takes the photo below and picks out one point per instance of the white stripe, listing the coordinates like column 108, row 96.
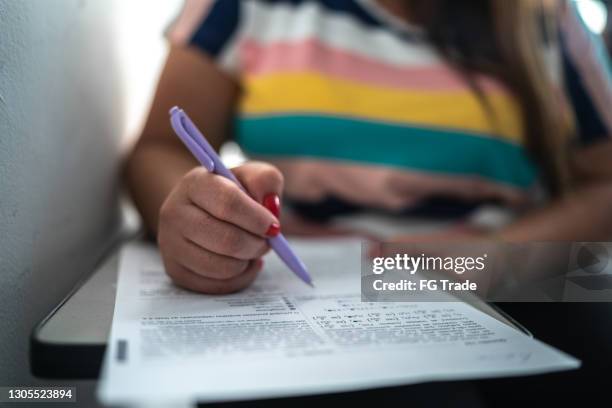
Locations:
column 266, row 24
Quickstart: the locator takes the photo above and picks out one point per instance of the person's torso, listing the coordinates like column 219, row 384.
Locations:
column 340, row 95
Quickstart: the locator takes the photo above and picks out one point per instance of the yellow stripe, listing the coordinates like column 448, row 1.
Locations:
column 309, row 92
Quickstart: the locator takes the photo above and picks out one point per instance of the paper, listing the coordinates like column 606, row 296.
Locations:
column 283, row 338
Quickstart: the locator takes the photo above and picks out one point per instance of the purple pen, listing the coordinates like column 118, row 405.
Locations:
column 197, row 144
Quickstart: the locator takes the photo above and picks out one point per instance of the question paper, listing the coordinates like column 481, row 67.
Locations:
column 282, row 338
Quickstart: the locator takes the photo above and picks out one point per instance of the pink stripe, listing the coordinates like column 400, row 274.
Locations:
column 313, row 56
column 592, row 73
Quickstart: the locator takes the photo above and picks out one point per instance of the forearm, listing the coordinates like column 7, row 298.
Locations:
column 151, row 172
column 193, row 82
column 585, row 215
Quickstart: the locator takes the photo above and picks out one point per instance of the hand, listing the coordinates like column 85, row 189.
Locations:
column 377, row 186
column 211, row 234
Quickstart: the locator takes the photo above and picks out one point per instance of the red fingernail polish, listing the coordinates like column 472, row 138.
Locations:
column 274, row 230
column 272, row 203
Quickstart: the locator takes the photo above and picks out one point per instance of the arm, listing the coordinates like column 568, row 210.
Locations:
column 585, row 215
column 211, row 235
column 159, row 160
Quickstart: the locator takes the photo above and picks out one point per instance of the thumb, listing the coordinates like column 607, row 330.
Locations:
column 263, row 181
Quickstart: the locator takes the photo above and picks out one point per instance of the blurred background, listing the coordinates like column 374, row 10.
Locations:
column 76, row 78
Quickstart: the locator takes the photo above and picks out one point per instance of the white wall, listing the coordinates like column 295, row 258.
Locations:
column 75, row 77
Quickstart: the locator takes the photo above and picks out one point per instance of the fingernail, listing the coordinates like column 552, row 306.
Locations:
column 274, row 230
column 272, row 203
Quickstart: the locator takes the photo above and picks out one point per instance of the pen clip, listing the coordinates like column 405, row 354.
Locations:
column 194, row 142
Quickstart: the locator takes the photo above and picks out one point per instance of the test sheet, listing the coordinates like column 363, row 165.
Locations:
column 282, row 338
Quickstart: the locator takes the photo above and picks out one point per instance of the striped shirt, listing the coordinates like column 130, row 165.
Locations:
column 347, row 100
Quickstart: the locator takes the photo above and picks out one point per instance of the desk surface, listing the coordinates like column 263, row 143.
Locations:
column 86, row 316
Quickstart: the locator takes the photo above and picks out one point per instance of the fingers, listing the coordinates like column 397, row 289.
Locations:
column 218, row 236
column 222, row 199
column 212, row 234
column 260, row 179
column 186, row 278
column 207, row 263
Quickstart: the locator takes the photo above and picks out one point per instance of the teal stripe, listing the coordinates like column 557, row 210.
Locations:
column 406, row 147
